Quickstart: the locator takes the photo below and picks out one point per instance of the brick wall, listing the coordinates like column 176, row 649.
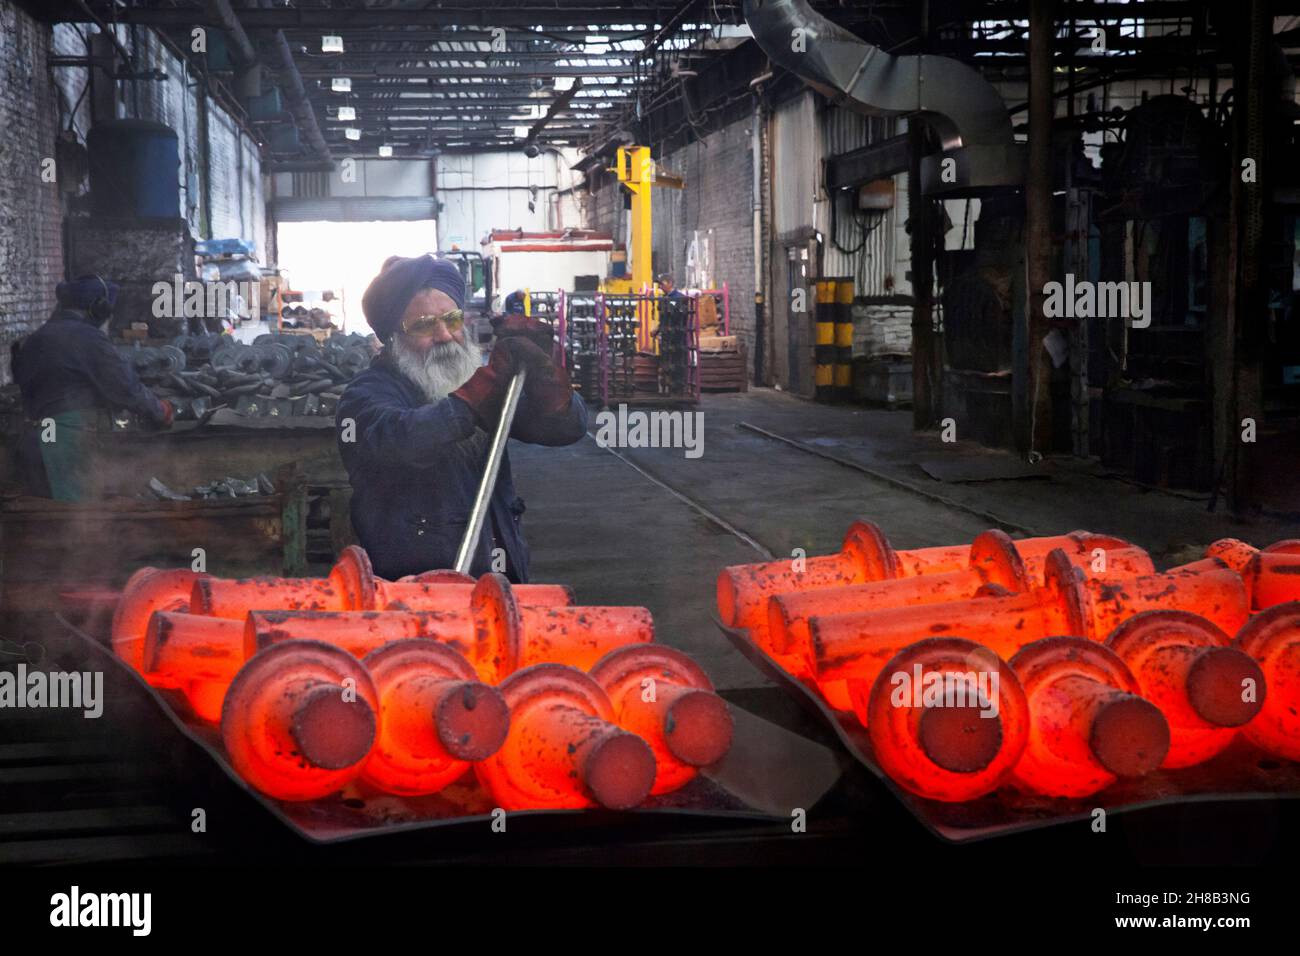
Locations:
column 31, row 253
column 35, row 100
column 714, row 212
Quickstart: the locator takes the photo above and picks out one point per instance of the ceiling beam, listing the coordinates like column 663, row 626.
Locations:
column 470, row 15
column 543, row 71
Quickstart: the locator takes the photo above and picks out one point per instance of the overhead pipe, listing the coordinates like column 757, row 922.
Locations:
column 1089, row 724
column 1206, row 688
column 299, row 105
column 968, row 114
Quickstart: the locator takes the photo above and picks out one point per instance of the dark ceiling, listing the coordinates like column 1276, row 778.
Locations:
column 429, row 75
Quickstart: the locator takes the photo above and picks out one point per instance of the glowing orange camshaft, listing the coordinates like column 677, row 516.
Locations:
column 299, row 720
column 435, row 717
column 1238, row 554
column 994, row 560
column 564, row 750
column 199, row 655
column 497, row 636
column 866, row 555
column 146, row 591
column 1205, row 688
column 352, row 586
column 1272, row 638
column 664, row 697
column 857, row 645
column 1088, row 724
column 958, row 746
column 1271, row 575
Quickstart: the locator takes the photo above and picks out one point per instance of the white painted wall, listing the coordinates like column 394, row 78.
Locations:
column 480, row 192
column 544, row 271
column 345, row 256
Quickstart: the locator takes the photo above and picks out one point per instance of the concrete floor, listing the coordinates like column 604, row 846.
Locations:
column 652, row 527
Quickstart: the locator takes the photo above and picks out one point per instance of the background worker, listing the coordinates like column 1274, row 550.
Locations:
column 71, row 379
column 668, row 288
column 516, row 303
column 415, row 427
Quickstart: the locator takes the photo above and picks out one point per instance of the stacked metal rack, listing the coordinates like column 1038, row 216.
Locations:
column 678, row 335
column 618, row 330
column 545, row 306
column 577, row 333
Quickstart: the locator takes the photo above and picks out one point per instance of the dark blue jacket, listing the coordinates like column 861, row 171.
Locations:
column 514, row 304
column 415, row 467
column 69, row 364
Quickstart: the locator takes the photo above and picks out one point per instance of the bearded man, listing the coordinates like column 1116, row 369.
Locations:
column 414, row 429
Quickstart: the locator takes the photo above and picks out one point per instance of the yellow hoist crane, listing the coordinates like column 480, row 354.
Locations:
column 638, row 174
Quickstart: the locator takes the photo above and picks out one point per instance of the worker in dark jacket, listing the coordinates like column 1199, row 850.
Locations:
column 71, row 379
column 414, row 429
column 516, row 303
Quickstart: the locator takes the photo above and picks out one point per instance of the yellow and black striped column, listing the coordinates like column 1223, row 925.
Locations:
column 824, row 312
column 843, row 312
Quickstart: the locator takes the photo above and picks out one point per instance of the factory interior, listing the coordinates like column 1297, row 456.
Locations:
column 652, row 433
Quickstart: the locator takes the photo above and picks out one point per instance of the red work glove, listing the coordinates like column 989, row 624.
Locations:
column 485, row 392
column 534, row 330
column 169, row 413
column 547, row 388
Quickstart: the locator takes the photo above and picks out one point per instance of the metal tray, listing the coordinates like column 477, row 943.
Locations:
column 751, row 785
column 1241, row 772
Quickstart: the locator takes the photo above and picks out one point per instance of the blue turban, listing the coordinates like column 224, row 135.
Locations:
column 84, row 291
column 388, row 295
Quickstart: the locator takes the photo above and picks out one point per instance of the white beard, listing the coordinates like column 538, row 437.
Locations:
column 439, row 372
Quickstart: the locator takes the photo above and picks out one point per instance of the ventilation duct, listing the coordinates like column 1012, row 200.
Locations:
column 968, row 114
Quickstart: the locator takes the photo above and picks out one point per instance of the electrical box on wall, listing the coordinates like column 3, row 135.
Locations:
column 876, row 195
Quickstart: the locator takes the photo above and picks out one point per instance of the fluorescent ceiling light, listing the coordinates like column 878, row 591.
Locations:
column 385, row 151
column 331, row 44
column 563, row 83
column 347, row 113
column 521, row 132
column 352, row 133
column 341, row 84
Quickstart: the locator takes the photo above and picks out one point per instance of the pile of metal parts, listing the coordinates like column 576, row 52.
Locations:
column 1055, row 665
column 302, row 317
column 227, row 487
column 277, row 375
column 403, row 687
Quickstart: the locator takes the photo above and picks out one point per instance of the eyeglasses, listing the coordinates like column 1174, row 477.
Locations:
column 452, row 321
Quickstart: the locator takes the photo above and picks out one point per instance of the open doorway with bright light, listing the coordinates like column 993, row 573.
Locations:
column 342, row 257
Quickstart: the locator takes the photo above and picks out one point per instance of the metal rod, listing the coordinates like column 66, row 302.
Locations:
column 465, row 556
